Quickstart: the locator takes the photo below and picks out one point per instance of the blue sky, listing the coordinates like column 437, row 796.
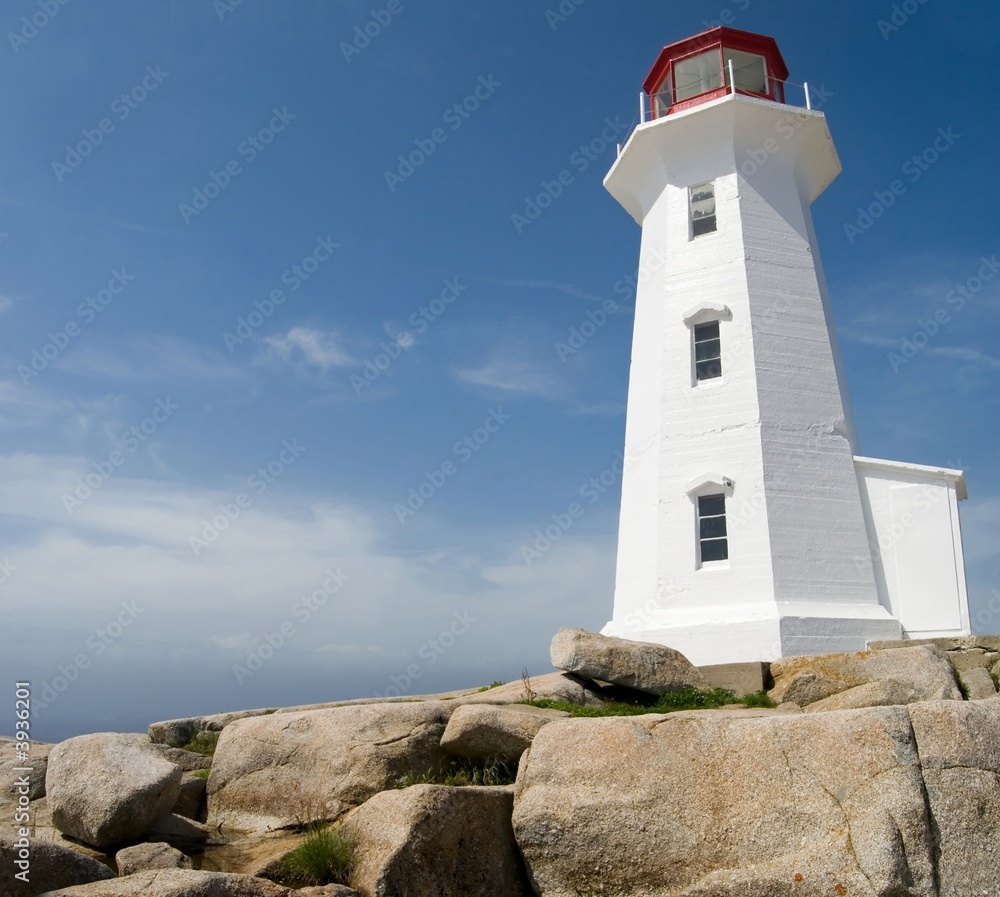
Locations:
column 243, row 303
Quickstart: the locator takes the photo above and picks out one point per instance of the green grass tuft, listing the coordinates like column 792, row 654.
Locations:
column 203, row 742
column 688, row 699
column 462, row 774
column 758, row 699
column 326, row 856
column 201, row 773
column 494, row 684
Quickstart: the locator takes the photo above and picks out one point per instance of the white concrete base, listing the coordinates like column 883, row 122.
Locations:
column 745, row 634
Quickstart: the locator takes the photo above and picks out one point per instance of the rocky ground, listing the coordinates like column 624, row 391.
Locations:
column 875, row 773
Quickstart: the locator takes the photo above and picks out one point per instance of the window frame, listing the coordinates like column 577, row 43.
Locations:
column 693, row 230
column 695, row 342
column 700, row 539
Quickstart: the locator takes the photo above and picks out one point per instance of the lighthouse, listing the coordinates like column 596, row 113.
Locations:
column 752, row 527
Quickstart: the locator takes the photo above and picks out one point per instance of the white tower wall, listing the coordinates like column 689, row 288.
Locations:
column 774, row 433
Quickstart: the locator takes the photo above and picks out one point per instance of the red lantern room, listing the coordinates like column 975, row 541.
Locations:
column 704, row 67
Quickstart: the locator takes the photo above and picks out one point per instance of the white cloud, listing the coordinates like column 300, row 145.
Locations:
column 312, row 346
column 199, row 616
column 966, row 354
column 151, row 358
column 243, row 642
column 515, row 376
column 5, row 303
column 555, row 286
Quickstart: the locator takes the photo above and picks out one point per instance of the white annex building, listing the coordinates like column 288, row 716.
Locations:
column 751, row 527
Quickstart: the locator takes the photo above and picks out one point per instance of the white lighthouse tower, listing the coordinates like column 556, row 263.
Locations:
column 751, row 528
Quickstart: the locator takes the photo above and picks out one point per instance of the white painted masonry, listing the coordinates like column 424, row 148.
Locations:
column 813, row 563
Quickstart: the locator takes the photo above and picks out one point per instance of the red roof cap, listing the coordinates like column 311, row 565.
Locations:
column 714, row 37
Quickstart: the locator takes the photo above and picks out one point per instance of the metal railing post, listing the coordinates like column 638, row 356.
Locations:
column 732, row 77
column 809, row 104
column 642, row 109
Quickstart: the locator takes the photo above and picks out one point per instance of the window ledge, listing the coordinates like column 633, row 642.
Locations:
column 707, row 311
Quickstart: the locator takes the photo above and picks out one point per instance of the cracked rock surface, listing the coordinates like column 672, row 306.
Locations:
column 288, row 769
column 878, row 801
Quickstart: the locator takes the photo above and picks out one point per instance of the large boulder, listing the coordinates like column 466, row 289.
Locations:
column 180, row 832
column 814, row 677
column 877, row 693
column 720, row 806
column 178, row 883
column 977, row 683
column 489, row 732
column 109, row 788
column 37, row 762
column 143, row 857
column 178, row 732
column 287, row 769
column 437, row 840
column 654, row 669
column 959, row 748
column 969, row 658
column 191, row 797
column 547, row 687
column 327, row 891
column 50, row 866
column 189, row 761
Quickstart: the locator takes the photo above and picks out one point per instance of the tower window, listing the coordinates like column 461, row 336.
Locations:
column 707, row 351
column 713, row 544
column 702, row 204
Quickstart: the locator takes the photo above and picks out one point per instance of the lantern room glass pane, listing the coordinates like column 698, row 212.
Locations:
column 750, row 70
column 663, row 97
column 697, row 74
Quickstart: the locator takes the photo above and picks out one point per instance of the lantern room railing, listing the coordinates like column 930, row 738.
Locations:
column 777, row 88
